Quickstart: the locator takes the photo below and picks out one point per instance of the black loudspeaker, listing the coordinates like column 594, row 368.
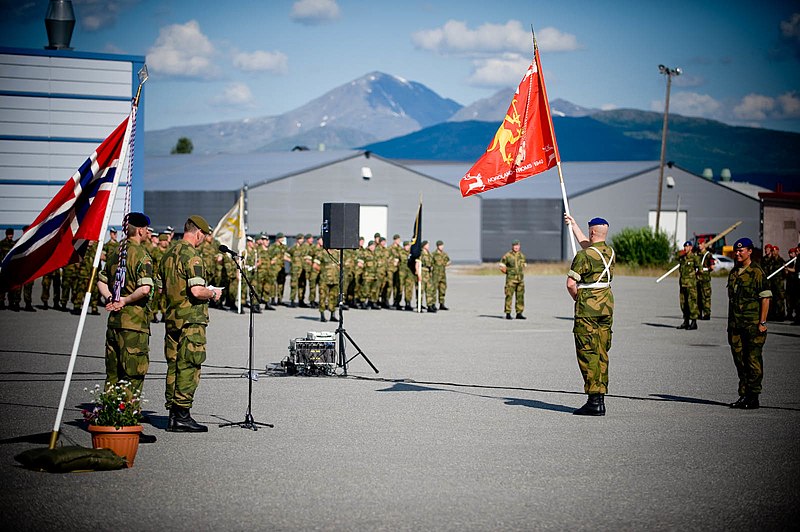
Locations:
column 340, row 225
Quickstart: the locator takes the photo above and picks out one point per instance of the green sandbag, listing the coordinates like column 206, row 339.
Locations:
column 70, row 458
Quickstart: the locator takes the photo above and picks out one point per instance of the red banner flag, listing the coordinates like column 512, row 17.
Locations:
column 524, row 144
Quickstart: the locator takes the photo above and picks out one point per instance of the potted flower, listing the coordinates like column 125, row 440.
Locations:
column 114, row 422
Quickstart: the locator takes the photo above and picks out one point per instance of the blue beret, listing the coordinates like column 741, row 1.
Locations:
column 597, row 221
column 743, row 243
column 688, row 243
column 138, row 219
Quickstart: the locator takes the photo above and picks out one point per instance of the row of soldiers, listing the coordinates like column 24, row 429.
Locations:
column 375, row 276
column 785, row 284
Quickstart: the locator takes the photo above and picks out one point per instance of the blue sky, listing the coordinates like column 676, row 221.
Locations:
column 211, row 60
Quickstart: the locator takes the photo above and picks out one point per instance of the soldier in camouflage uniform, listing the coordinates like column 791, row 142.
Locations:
column 297, row 253
column 748, row 305
column 328, row 268
column 441, row 260
column 280, row 255
column 157, row 299
column 513, row 265
column 776, row 284
column 264, row 270
column 359, row 274
column 5, row 246
column 187, row 293
column 793, row 288
column 369, row 286
column 111, row 245
column 84, row 275
column 69, row 281
column 688, row 266
column 251, row 268
column 310, row 273
column 704, row 284
column 407, row 277
column 393, row 290
column 128, row 329
column 51, row 279
column 589, row 285
column 425, row 262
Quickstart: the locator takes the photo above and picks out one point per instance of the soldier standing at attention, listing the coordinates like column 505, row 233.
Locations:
column 128, row 329
column 441, row 260
column 689, row 265
column 279, row 257
column 589, row 285
column 776, row 284
column 748, row 305
column 369, row 286
column 183, row 275
column 407, row 277
column 328, row 269
column 793, row 289
column 704, row 284
column 513, row 265
column 297, row 292
column 5, row 246
column 393, row 289
column 426, row 276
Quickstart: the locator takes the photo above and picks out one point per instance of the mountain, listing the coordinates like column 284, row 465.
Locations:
column 759, row 156
column 375, row 107
column 467, row 141
column 493, row 108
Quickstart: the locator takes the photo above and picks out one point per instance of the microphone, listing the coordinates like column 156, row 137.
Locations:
column 225, row 249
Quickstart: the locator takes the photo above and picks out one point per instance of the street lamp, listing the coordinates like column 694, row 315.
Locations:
column 669, row 72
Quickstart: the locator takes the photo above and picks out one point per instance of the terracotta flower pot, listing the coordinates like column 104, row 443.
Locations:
column 124, row 441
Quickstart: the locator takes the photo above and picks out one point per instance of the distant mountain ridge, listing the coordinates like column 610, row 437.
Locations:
column 397, row 118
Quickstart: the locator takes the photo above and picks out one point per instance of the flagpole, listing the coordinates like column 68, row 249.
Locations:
column 239, row 237
column 553, row 136
column 98, row 252
column 419, row 263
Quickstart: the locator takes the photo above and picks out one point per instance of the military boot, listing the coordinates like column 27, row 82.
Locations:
column 322, row 317
column 171, row 420
column 684, row 325
column 432, row 308
column 750, row 401
column 333, row 316
column 185, row 423
column 692, row 325
column 595, row 406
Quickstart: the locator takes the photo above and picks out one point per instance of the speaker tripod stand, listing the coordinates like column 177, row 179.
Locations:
column 341, row 333
column 249, row 422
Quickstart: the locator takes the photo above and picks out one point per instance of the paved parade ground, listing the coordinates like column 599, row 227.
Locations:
column 468, row 425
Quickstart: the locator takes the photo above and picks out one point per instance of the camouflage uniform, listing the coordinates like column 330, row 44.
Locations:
column 264, row 271
column 689, row 264
column 515, row 263
column 393, row 286
column 328, row 269
column 297, row 253
column 128, row 330
column 157, row 299
column 704, row 285
column 309, row 272
column 369, row 286
column 84, row 276
column 777, row 308
column 5, row 246
column 349, row 276
column 746, row 288
column 279, row 256
column 407, row 277
column 186, row 321
column 51, row 279
column 441, row 260
column 426, row 263
column 593, row 269
column 381, row 256
column 69, row 281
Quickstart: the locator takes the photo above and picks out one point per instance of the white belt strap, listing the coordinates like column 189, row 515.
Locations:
column 606, row 271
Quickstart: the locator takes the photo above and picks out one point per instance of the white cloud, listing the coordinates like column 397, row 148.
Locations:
column 690, row 104
column 503, row 71
column 236, row 95
column 312, row 12
column 761, row 107
column 454, row 37
column 95, row 15
column 260, row 60
column 790, row 29
column 182, row 50
column 609, row 107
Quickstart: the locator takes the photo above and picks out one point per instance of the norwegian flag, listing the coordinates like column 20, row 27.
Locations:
column 60, row 234
column 525, row 143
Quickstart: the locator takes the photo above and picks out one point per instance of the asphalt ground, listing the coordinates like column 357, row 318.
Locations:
column 468, row 425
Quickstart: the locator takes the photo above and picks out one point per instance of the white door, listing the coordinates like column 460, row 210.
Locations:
column 675, row 232
column 373, row 219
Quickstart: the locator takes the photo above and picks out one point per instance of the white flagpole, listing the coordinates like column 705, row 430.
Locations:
column 669, row 272
column 770, row 276
column 123, row 156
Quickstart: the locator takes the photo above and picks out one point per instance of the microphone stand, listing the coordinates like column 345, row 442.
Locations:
column 340, row 332
column 249, row 422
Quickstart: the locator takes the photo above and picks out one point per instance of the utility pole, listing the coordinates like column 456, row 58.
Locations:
column 669, row 72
